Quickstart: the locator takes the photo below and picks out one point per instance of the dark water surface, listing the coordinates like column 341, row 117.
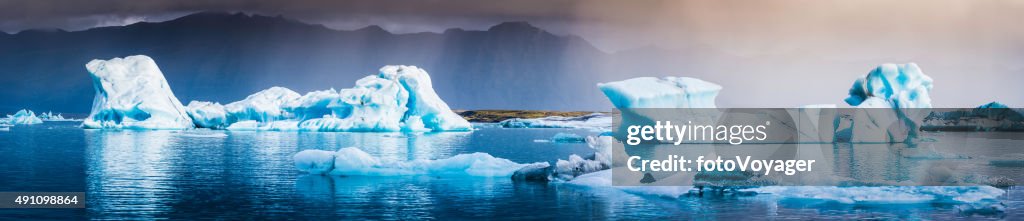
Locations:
column 237, row 175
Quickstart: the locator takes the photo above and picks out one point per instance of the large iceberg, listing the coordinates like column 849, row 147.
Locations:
column 901, row 88
column 24, row 117
column 399, row 98
column 352, row 161
column 667, row 92
column 132, row 93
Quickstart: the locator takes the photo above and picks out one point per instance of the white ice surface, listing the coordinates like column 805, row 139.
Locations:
column 352, row 161
column 23, row 117
column 399, row 98
column 904, row 89
column 132, row 93
column 667, row 92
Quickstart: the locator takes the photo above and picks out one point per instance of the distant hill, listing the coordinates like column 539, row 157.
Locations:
column 224, row 57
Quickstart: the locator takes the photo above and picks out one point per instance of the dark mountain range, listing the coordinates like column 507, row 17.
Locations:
column 224, row 57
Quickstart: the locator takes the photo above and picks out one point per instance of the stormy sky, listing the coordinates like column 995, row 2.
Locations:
column 973, row 49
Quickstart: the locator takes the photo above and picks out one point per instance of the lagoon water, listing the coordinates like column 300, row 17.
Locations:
column 231, row 175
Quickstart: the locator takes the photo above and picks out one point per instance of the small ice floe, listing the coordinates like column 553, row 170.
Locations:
column 568, row 138
column 352, row 161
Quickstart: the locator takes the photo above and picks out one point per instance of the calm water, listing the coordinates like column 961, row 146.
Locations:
column 219, row 174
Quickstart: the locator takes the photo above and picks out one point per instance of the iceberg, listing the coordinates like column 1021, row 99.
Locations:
column 49, row 116
column 897, row 85
column 399, row 98
column 132, row 93
column 667, row 92
column 352, row 161
column 902, row 88
column 24, row 117
column 973, row 197
column 314, row 161
column 263, row 106
column 207, row 114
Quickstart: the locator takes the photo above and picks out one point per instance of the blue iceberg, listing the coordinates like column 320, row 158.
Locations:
column 900, row 87
column 399, row 98
column 132, row 93
column 23, row 117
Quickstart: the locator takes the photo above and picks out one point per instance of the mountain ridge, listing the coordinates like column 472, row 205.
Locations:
column 222, row 57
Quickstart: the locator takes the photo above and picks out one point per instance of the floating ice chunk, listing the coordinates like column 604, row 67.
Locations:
column 902, row 88
column 49, row 116
column 351, row 161
column 263, row 106
column 314, row 161
column 975, row 195
column 533, row 172
column 597, row 121
column 603, row 179
column 568, row 138
column 132, row 93
column 207, row 114
column 576, row 165
column 24, row 117
column 667, row 92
